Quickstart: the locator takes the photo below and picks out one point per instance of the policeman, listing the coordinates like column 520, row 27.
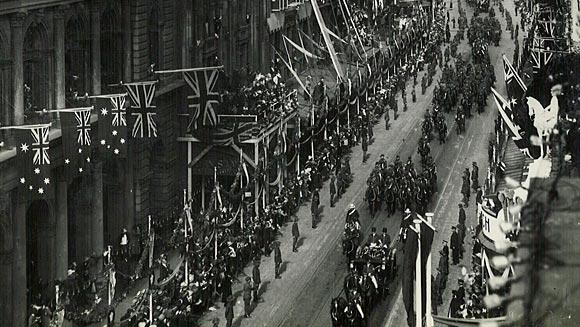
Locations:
column 277, row 260
column 332, row 187
column 248, row 297
column 256, row 277
column 455, row 245
column 295, row 235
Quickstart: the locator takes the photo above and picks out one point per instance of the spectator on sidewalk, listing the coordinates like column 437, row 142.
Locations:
column 229, row 311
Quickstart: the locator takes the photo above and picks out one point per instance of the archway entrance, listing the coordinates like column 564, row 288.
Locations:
column 38, row 252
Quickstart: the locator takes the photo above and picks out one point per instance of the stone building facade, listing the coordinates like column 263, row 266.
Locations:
column 50, row 49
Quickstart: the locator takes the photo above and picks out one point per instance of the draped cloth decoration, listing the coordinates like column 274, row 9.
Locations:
column 173, row 274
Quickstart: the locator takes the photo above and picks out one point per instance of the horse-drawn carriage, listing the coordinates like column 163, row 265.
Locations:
column 371, row 272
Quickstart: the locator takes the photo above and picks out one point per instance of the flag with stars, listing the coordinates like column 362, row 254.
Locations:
column 142, row 95
column 32, row 147
column 76, row 141
column 112, row 138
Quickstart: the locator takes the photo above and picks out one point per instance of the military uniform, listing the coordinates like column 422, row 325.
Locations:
column 295, row 236
column 332, row 187
column 257, row 281
column 247, row 295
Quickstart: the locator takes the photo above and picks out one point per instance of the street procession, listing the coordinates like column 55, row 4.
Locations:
column 345, row 163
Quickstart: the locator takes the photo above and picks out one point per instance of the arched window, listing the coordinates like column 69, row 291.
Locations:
column 111, row 51
column 76, row 57
column 36, row 70
column 154, row 33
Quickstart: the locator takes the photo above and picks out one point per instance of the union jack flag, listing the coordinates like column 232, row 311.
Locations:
column 515, row 86
column 83, row 127
column 204, row 97
column 40, row 145
column 142, row 97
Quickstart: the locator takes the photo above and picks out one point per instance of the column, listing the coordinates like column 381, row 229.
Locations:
column 59, row 59
column 97, row 229
column 96, row 48
column 17, row 37
column 127, row 40
column 61, row 230
column 19, row 307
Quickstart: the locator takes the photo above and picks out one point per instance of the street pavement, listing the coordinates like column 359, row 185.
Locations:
column 462, row 151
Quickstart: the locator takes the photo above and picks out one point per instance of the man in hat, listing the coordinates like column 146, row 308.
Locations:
column 455, row 245
column 248, row 297
column 295, row 235
column 474, row 177
column 332, row 189
column 479, row 196
column 462, row 216
column 405, row 223
column 314, row 206
column 124, row 244
column 163, row 268
column 385, row 238
column 352, row 214
column 365, row 147
column 256, row 279
column 373, row 238
column 277, row 260
column 465, row 189
column 229, row 311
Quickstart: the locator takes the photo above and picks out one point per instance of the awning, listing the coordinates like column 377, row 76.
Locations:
column 224, row 158
column 276, row 21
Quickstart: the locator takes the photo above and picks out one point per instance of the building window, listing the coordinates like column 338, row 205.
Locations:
column 76, row 59
column 111, row 52
column 36, row 71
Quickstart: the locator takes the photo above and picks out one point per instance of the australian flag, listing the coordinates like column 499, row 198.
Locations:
column 76, row 141
column 32, row 145
column 112, row 138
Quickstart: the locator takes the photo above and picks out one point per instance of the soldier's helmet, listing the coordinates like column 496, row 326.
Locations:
column 351, row 206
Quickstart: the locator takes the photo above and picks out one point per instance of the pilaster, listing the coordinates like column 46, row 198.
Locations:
column 17, row 38
column 95, row 47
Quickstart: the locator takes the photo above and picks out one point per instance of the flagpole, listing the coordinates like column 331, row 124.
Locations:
column 428, row 304
column 312, row 119
column 242, row 189
column 418, row 283
column 150, row 266
column 186, row 240
column 183, row 70
column 215, row 207
column 298, row 153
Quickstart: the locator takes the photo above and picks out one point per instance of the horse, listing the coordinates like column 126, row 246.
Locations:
column 349, row 246
column 337, row 311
